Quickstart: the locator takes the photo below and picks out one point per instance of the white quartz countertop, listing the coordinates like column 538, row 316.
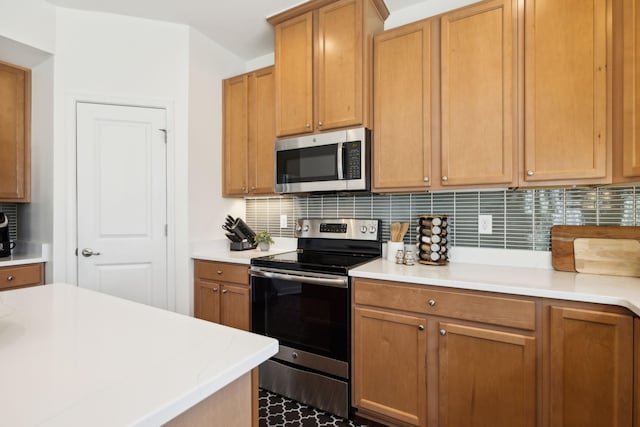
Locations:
column 218, row 250
column 537, row 282
column 74, row 357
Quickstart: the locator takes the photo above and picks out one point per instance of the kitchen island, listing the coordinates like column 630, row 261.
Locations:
column 74, row 357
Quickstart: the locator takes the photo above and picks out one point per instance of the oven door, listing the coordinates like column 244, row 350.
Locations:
column 307, row 312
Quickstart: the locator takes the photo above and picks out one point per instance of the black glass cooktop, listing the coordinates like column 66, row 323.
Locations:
column 320, row 262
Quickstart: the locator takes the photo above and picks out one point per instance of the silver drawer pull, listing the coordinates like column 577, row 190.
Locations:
column 10, row 278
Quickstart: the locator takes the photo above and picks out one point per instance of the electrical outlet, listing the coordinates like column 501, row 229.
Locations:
column 485, row 224
column 283, row 221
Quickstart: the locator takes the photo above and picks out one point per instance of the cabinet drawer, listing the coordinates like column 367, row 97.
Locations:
column 21, row 275
column 222, row 271
column 516, row 313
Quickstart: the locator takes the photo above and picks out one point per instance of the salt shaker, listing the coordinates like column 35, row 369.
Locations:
column 409, row 258
column 399, row 257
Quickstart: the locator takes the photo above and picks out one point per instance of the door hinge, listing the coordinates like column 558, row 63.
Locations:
column 165, row 134
column 166, row 229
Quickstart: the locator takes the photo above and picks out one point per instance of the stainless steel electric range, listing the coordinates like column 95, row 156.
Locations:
column 303, row 299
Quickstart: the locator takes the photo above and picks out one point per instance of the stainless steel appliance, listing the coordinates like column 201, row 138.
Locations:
column 6, row 245
column 303, row 299
column 331, row 161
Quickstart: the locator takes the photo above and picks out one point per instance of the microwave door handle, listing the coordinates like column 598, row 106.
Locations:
column 336, row 283
column 339, row 161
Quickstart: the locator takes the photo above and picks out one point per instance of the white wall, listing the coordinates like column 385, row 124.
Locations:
column 36, row 218
column 208, row 65
column 113, row 58
column 30, row 22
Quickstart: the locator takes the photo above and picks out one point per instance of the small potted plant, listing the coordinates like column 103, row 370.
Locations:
column 264, row 240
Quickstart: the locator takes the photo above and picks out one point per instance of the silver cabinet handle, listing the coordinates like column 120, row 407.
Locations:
column 425, row 179
column 320, row 124
column 443, row 332
column 253, row 188
column 215, row 289
column 445, row 178
column 224, row 291
column 219, row 272
column 244, row 188
column 87, row 252
column 421, row 327
column 530, row 172
column 431, row 303
column 10, row 279
column 307, row 125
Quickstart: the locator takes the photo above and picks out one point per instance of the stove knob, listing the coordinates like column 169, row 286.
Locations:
column 298, row 228
column 363, row 229
column 372, row 229
column 305, row 228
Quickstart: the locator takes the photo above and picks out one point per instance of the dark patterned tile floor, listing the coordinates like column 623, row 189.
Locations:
column 279, row 411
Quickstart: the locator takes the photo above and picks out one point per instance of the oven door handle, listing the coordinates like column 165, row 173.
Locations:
column 341, row 282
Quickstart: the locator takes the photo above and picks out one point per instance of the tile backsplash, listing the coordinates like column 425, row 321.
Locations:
column 521, row 219
column 11, row 210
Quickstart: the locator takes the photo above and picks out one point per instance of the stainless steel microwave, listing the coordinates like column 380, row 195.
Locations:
column 331, row 161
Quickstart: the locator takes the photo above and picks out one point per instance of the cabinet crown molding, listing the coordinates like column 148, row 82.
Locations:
column 311, row 5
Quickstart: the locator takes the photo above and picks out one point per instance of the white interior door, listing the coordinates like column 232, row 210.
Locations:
column 122, row 201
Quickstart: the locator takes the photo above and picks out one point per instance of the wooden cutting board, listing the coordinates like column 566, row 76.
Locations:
column 618, row 257
column 563, row 237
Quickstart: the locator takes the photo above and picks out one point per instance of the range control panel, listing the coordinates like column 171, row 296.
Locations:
column 335, row 228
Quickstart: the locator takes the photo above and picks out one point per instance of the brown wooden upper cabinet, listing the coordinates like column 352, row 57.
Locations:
column 249, row 133
column 478, row 95
column 15, row 123
column 323, row 62
column 402, row 108
column 566, row 48
column 447, row 119
column 631, row 90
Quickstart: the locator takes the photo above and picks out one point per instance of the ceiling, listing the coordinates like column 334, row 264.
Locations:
column 240, row 26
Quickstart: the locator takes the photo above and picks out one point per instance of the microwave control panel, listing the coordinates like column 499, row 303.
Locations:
column 353, row 160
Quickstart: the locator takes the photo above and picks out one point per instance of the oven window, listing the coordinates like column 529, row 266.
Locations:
column 307, row 164
column 308, row 317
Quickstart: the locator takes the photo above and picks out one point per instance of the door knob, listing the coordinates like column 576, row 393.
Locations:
column 87, row 252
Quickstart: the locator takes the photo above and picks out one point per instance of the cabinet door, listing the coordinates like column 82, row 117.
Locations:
column 294, row 75
column 565, row 91
column 631, row 92
column 402, row 108
column 262, row 134
column 389, row 358
column 590, row 368
column 486, row 377
column 15, row 123
column 235, row 135
column 207, row 301
column 340, row 65
column 478, row 94
column 235, row 307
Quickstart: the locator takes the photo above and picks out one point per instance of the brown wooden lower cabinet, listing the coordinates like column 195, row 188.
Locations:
column 590, row 368
column 21, row 276
column 575, row 368
column 486, row 377
column 389, row 358
column 222, row 294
